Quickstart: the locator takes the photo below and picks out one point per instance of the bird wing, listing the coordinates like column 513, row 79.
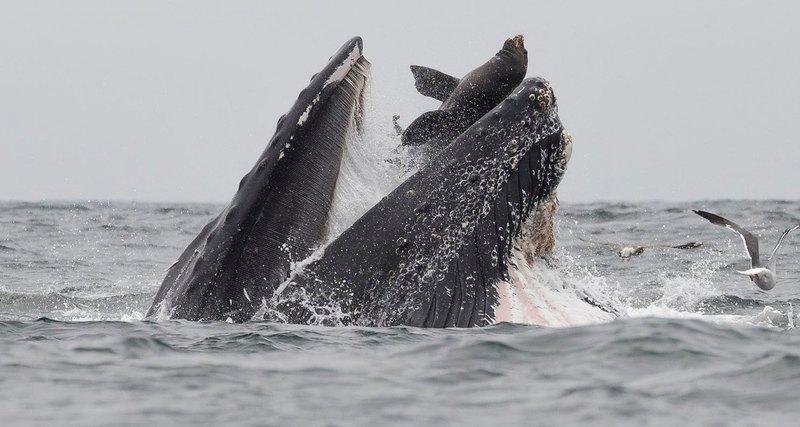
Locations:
column 750, row 241
column 688, row 245
column 600, row 243
column 780, row 240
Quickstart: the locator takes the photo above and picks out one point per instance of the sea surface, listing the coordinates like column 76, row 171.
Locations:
column 694, row 342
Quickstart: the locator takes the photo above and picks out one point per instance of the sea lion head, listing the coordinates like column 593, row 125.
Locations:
column 514, row 49
column 515, row 43
column 516, row 46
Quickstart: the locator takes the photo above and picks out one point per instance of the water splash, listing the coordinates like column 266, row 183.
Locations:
column 367, row 171
column 684, row 285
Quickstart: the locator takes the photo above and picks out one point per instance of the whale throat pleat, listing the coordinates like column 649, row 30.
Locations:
column 294, row 220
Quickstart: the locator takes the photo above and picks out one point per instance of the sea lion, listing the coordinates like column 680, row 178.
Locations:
column 467, row 100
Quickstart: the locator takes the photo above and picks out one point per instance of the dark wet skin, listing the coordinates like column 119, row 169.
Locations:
column 467, row 100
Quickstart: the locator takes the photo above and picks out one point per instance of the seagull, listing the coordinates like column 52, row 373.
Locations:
column 628, row 251
column 763, row 275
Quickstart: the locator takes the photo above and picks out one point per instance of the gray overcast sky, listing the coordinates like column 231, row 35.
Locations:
column 176, row 100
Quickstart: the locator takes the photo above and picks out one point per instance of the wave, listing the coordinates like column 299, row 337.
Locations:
column 74, row 303
column 44, row 206
column 185, row 211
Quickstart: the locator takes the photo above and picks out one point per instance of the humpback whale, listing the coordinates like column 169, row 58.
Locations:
column 466, row 100
column 434, row 251
column 280, row 211
column 440, row 250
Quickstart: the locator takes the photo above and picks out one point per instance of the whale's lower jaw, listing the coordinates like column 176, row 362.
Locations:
column 281, row 210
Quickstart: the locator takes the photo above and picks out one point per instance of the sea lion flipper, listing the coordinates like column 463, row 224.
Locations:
column 428, row 127
column 433, row 83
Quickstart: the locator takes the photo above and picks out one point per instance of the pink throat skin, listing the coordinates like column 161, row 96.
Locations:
column 534, row 294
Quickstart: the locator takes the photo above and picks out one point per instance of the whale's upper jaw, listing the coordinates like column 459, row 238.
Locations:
column 471, row 204
column 524, row 168
column 280, row 210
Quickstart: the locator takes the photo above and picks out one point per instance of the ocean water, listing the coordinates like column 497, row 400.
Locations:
column 694, row 343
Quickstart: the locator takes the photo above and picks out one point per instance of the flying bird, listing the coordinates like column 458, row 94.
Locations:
column 627, row 251
column 762, row 274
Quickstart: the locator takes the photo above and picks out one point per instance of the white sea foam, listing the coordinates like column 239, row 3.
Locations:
column 691, row 293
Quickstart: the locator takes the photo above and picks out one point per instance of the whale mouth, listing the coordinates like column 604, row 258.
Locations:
column 431, row 253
